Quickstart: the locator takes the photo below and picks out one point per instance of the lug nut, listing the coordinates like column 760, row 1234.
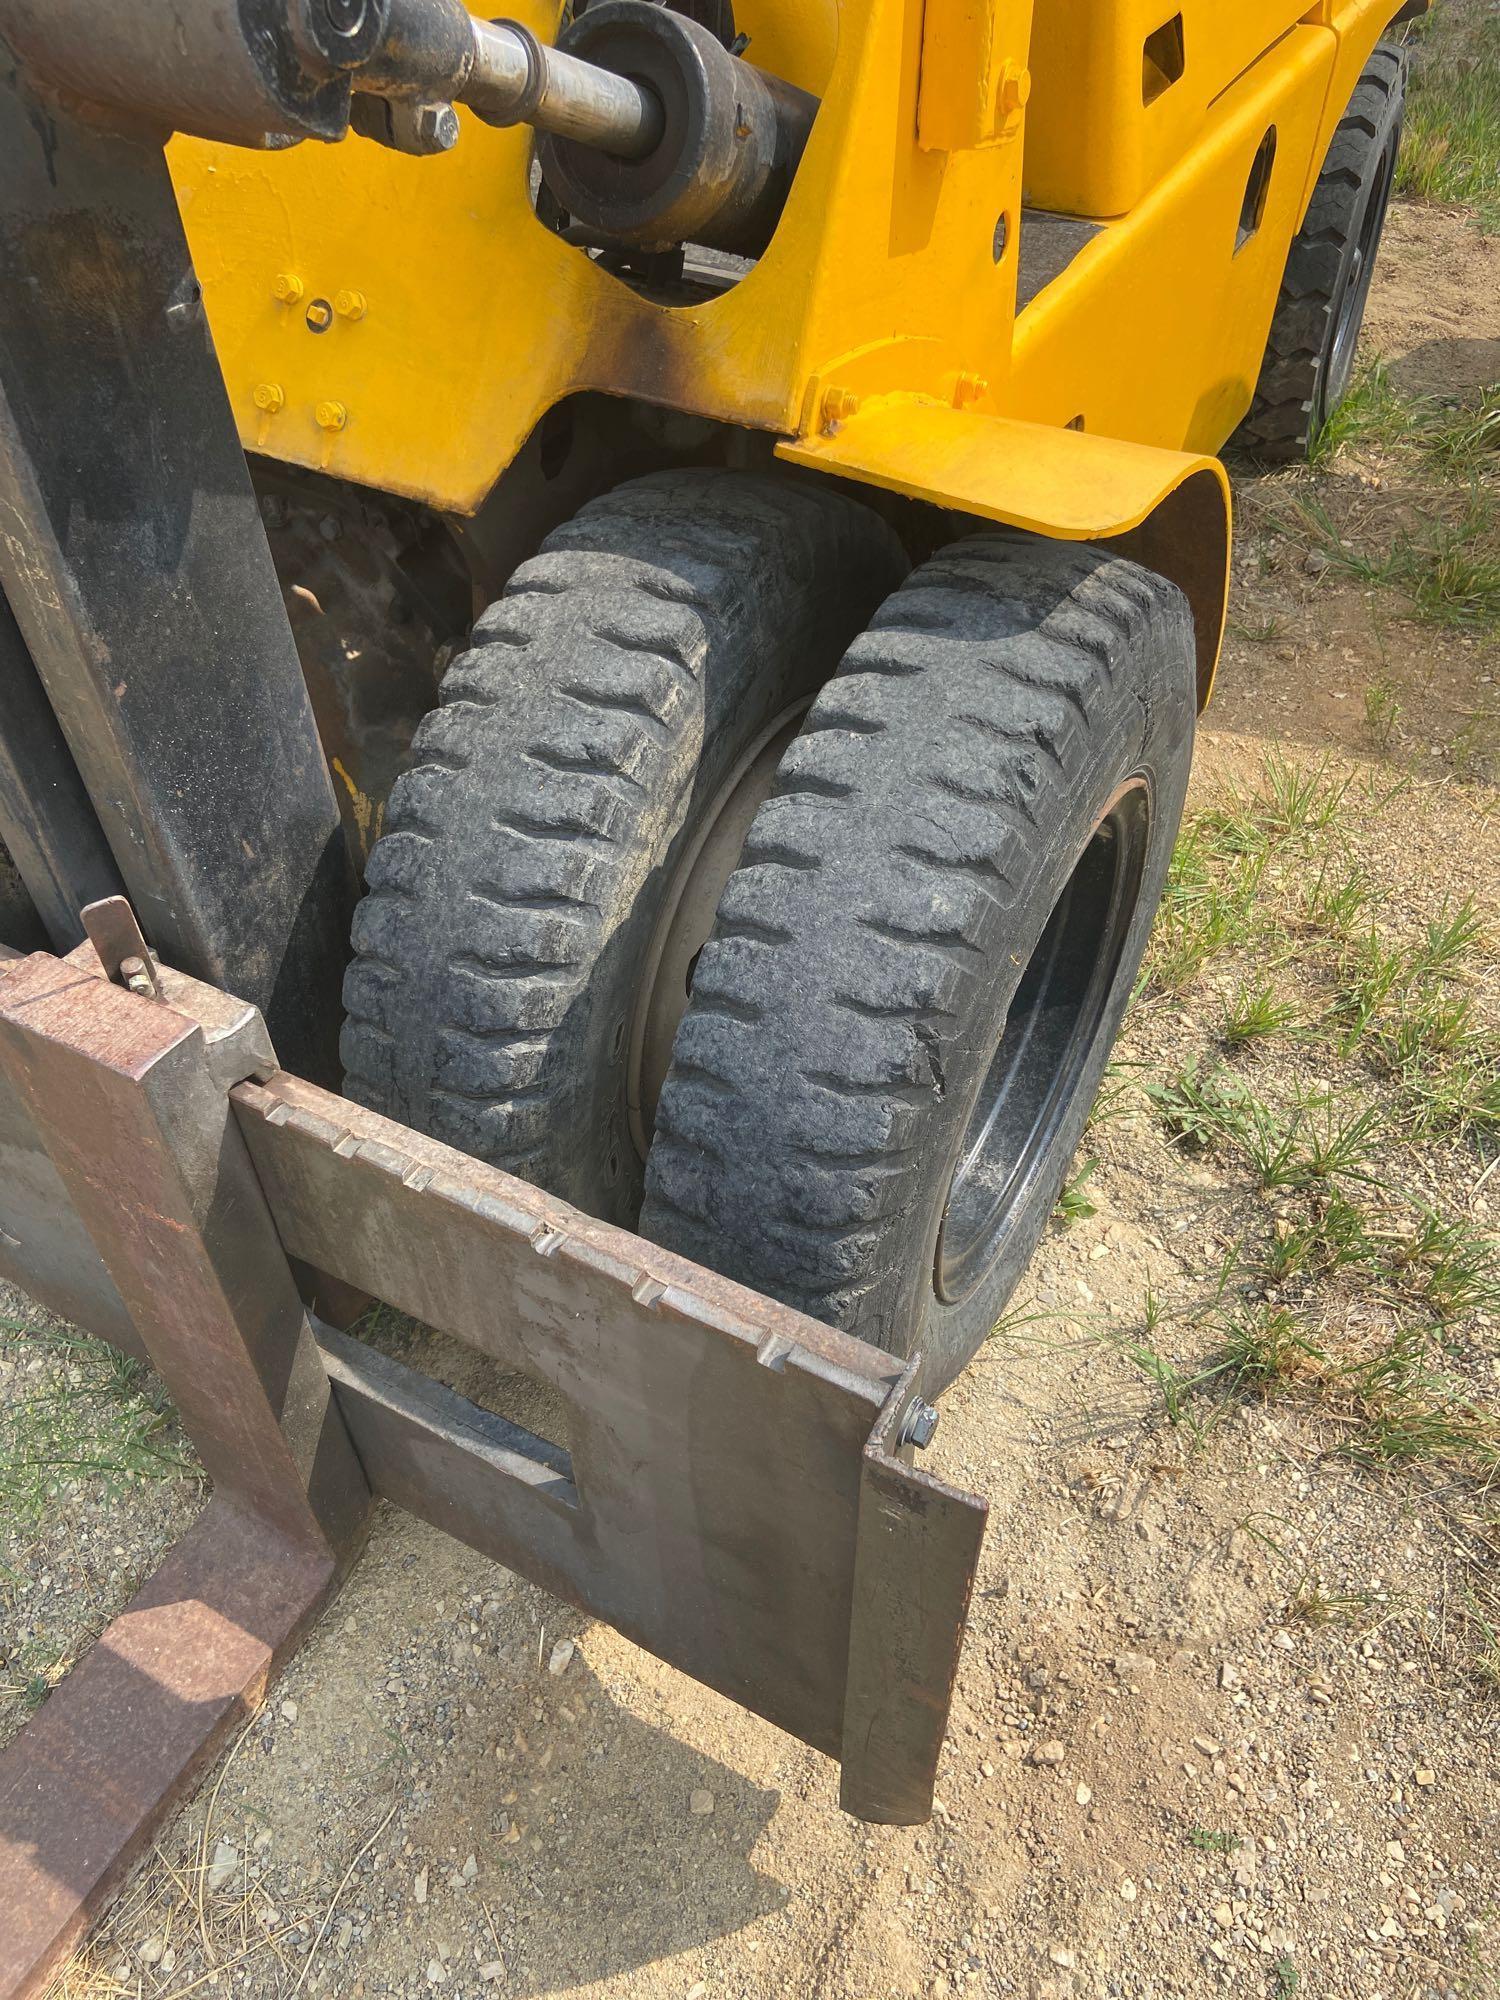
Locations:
column 331, row 416
column 270, row 397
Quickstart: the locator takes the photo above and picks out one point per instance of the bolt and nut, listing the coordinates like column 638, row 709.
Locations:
column 919, row 1424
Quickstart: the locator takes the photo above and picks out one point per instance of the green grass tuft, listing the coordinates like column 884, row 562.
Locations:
column 1451, row 151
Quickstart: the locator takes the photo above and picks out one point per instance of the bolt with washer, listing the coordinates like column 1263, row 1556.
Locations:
column 919, row 1424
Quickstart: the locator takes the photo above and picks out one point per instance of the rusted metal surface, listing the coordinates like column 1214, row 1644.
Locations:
column 128, row 1097
column 718, row 1439
column 915, row 1560
column 732, row 1496
column 138, row 1126
column 123, row 954
column 92, row 1773
column 44, row 1247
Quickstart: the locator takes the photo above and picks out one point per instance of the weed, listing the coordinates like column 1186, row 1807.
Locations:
column 1288, row 1978
column 1212, row 1840
column 1371, row 413
column 1251, row 1016
column 1312, row 1142
column 1335, row 903
column 1331, row 1239
column 102, row 1416
column 1451, row 151
column 1461, row 437
column 1448, row 1267
column 1382, row 711
column 1461, row 1096
column 1266, row 1348
column 1406, row 1411
column 1311, row 1604
column 1260, row 631
column 1484, row 1659
column 1449, row 940
column 1445, row 565
column 1073, row 1204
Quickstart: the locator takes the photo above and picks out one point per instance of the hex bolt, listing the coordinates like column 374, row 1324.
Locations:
column 270, row 397
column 437, row 128
column 331, row 416
column 288, row 287
column 134, row 976
column 350, row 305
column 1014, row 92
column 919, row 1424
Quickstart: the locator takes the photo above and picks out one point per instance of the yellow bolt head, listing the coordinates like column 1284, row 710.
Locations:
column 349, row 305
column 331, row 416
column 1015, row 89
column 270, row 397
column 287, row 288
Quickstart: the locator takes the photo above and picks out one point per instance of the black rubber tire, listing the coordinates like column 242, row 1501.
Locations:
column 869, row 946
column 514, row 892
column 1309, row 356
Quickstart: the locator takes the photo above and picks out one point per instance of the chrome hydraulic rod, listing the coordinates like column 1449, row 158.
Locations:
column 515, row 79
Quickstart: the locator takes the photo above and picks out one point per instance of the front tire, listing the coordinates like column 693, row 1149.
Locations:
column 920, row 965
column 1309, row 359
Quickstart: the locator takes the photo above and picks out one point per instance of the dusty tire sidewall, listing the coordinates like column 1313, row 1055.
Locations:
column 949, row 1334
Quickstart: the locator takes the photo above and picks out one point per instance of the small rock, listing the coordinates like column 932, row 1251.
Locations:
column 151, row 1951
column 1063, row 1955
column 561, row 1654
column 470, row 1868
column 1229, row 1675
column 1223, row 1916
column 346, row 1934
column 1083, row 1795
column 437, row 1972
column 221, row 1868
column 1425, row 1776
column 493, row 1968
column 1134, row 1666
column 697, row 1990
column 419, row 1884
column 1051, row 1752
column 700, row 1801
column 1128, row 1891
column 289, row 1711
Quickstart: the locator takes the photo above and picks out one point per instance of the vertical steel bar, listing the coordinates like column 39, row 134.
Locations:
column 132, row 555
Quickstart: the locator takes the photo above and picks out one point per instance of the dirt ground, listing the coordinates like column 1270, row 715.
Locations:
column 1226, row 1720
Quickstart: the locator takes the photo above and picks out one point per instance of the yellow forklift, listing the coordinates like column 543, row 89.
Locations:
column 603, row 620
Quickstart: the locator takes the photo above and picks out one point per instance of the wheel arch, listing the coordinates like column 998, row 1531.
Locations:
column 1168, row 510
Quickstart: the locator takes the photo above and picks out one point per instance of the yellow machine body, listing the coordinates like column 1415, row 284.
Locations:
column 406, row 323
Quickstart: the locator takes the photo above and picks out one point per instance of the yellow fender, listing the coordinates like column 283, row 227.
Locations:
column 1167, row 509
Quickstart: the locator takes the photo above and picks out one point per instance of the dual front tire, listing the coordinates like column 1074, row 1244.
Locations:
column 750, row 891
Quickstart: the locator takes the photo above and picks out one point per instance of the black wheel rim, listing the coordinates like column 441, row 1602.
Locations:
column 1050, row 1034
column 1351, row 309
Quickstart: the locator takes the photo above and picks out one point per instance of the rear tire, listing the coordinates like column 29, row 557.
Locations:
column 1309, row 359
column 607, row 703
column 920, row 965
